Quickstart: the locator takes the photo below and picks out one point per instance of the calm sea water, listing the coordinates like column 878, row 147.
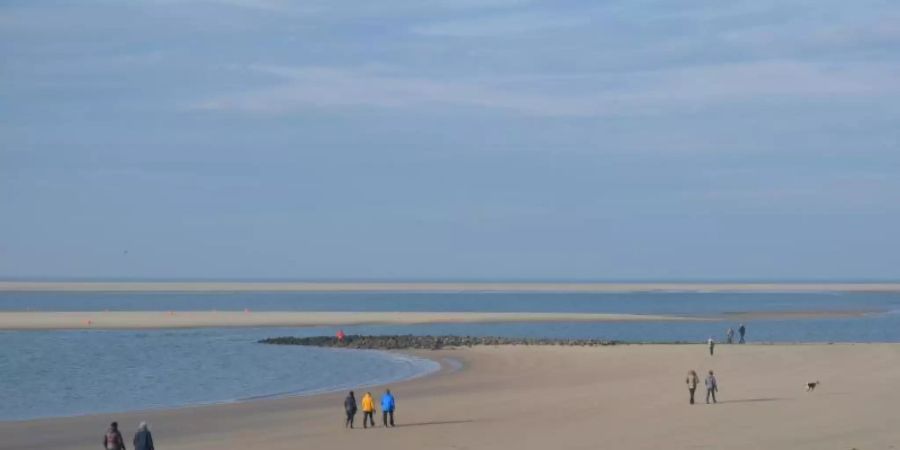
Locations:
column 44, row 374
column 634, row 303
column 57, row 373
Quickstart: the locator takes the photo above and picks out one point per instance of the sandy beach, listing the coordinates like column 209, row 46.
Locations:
column 627, row 397
column 202, row 286
column 35, row 320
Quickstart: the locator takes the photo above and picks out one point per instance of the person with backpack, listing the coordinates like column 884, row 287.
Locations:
column 143, row 440
column 112, row 440
column 711, row 387
column 387, row 407
column 368, row 407
column 350, row 409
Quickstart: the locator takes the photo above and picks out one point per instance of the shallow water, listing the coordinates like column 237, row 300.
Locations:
column 631, row 303
column 58, row 373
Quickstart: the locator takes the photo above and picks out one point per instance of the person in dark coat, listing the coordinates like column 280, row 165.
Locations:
column 742, row 330
column 350, row 409
column 112, row 440
column 143, row 440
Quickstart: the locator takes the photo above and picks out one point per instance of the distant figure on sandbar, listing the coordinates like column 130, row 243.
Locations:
column 350, row 409
column 712, row 345
column 112, row 440
column 143, row 440
column 729, row 336
column 711, row 387
column 742, row 330
column 387, row 407
column 692, row 381
column 368, row 407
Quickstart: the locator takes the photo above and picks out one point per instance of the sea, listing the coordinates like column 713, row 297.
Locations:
column 47, row 374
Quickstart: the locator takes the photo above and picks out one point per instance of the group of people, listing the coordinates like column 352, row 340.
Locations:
column 388, row 404
column 712, row 386
column 143, row 440
column 729, row 335
column 729, row 338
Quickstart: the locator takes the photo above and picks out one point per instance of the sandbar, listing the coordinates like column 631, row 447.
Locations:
column 41, row 320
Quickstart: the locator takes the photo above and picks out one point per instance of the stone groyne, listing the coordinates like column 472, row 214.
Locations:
column 406, row 342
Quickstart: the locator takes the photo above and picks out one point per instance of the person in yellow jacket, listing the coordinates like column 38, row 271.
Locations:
column 368, row 407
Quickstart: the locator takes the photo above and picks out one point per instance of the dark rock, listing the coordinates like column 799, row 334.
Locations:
column 404, row 342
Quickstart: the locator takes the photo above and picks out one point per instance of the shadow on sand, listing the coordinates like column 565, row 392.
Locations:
column 441, row 422
column 753, row 400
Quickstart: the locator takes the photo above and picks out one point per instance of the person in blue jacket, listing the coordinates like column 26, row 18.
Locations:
column 387, row 407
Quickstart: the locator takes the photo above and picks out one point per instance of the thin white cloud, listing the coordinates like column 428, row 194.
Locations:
column 280, row 6
column 344, row 8
column 819, row 37
column 327, row 87
column 618, row 94
column 847, row 191
column 499, row 25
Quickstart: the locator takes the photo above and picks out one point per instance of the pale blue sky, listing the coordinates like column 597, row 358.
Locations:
column 439, row 139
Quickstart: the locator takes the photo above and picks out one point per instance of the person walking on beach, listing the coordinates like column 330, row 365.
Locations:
column 711, row 387
column 350, row 409
column 692, row 381
column 712, row 345
column 729, row 336
column 143, row 440
column 742, row 330
column 368, row 407
column 387, row 407
column 112, row 440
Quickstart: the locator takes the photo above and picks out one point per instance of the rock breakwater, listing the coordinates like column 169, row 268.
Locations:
column 406, row 342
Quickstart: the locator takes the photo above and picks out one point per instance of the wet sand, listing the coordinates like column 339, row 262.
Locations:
column 439, row 287
column 779, row 315
column 35, row 320
column 519, row 398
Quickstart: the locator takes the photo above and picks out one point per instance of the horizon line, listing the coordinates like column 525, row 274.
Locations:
column 421, row 286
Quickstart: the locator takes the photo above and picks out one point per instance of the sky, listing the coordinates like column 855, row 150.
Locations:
column 445, row 140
